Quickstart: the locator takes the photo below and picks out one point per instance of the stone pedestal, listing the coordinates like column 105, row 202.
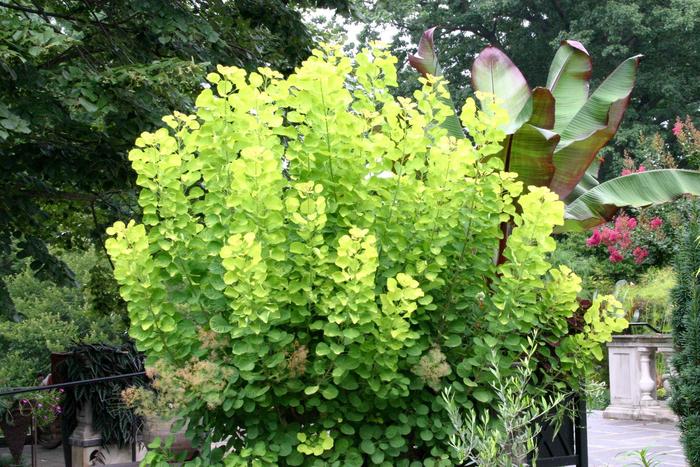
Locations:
column 632, row 367
column 87, row 449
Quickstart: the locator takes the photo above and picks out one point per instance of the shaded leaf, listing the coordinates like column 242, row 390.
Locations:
column 543, row 108
column 425, row 59
column 568, row 79
column 529, row 153
column 600, row 204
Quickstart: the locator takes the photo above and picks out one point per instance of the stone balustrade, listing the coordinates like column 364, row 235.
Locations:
column 633, row 381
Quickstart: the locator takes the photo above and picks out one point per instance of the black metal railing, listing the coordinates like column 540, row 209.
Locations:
column 66, row 385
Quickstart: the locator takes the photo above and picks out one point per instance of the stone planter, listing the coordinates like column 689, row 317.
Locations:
column 156, row 427
column 14, row 426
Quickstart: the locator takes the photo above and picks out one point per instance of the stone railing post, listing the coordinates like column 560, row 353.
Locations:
column 647, row 385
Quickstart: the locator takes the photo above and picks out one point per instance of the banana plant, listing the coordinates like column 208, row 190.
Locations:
column 555, row 132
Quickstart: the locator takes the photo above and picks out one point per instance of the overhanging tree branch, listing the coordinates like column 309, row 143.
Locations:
column 42, row 12
column 55, row 195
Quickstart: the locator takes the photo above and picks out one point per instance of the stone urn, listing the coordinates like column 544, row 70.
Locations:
column 15, row 425
column 157, row 427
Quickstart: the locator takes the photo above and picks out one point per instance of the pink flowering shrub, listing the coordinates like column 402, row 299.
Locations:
column 689, row 140
column 627, row 171
column 622, row 239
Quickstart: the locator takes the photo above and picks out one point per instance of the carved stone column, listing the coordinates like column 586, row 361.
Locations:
column 667, row 353
column 86, row 445
column 85, row 441
column 647, row 385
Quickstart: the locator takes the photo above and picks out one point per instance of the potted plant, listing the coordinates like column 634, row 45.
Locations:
column 19, row 413
column 116, row 424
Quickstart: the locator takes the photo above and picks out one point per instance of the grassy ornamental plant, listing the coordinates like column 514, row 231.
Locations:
column 315, row 262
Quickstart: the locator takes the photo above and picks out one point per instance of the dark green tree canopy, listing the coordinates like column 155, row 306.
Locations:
column 667, row 33
column 82, row 78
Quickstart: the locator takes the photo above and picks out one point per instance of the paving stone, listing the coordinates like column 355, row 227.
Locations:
column 613, row 443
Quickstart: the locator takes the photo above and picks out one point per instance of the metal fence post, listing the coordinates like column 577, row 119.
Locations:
column 35, row 454
column 582, row 433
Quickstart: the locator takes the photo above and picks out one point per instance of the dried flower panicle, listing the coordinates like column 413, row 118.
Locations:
column 297, row 360
column 432, row 367
column 173, row 388
column 211, row 340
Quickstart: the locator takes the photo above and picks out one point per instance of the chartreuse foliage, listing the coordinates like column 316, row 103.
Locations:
column 331, row 250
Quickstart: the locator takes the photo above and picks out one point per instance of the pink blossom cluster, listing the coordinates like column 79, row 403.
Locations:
column 618, row 238
column 677, row 128
column 632, row 171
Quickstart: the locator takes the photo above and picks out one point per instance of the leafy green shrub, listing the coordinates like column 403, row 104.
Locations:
column 51, row 319
column 685, row 394
column 328, row 252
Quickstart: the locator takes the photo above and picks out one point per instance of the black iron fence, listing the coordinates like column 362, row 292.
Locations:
column 66, row 385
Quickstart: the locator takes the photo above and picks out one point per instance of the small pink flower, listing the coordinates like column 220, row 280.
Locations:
column 639, row 254
column 594, row 240
column 655, row 223
column 641, row 169
column 632, row 223
column 25, row 402
column 625, row 241
column 677, row 128
column 626, row 172
column 615, row 255
column 608, row 236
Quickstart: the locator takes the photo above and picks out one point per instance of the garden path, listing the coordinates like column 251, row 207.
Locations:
column 610, row 440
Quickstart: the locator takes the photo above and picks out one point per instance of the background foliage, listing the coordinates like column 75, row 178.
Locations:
column 51, row 318
column 530, row 32
column 81, row 79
